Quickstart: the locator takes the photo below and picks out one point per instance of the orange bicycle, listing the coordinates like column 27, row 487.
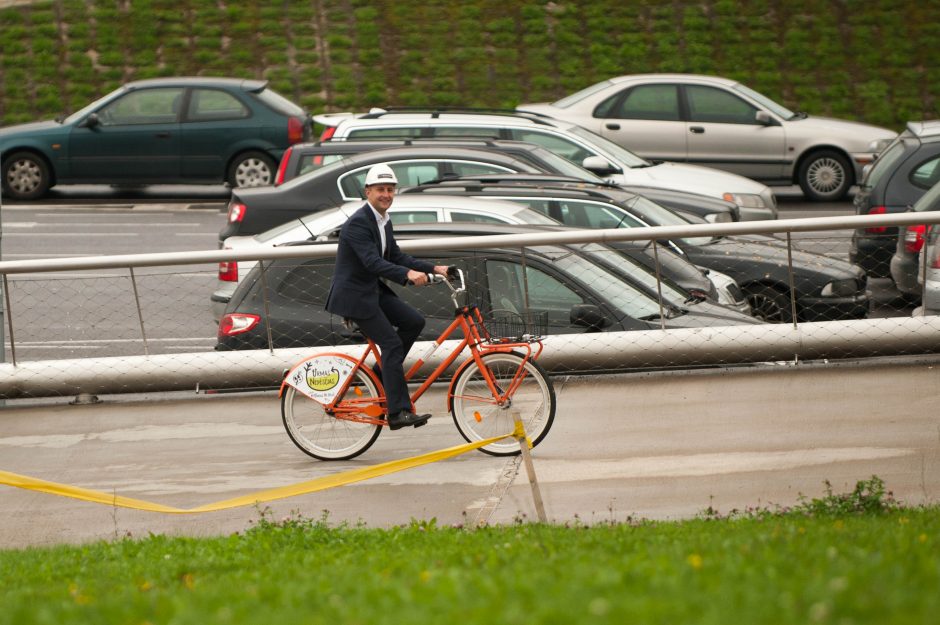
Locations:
column 334, row 406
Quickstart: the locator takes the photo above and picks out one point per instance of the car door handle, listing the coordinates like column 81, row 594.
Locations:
column 162, row 135
column 612, row 126
column 698, row 130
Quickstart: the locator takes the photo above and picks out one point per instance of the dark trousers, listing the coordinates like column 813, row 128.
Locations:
column 394, row 345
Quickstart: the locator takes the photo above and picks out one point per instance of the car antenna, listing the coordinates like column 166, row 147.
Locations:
column 304, row 224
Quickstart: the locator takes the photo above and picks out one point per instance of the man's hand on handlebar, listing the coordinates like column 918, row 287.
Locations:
column 418, row 278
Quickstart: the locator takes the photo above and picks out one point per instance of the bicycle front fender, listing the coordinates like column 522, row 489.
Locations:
column 466, row 363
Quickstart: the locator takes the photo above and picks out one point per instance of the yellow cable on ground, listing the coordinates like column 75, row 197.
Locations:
column 282, row 492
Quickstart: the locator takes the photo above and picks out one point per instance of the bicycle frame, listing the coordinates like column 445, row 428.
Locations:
column 469, row 320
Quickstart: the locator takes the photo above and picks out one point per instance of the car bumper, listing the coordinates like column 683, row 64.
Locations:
column 218, row 301
column 904, row 272
column 873, row 254
column 834, row 308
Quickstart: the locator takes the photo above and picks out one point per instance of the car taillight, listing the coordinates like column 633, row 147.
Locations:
column 295, row 130
column 228, row 271
column 237, row 323
column 328, row 133
column 236, row 211
column 282, row 168
column 914, row 238
column 877, row 210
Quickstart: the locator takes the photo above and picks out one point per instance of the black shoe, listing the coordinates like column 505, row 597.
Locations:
column 404, row 418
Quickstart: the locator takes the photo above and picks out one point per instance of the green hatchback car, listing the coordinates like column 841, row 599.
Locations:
column 189, row 130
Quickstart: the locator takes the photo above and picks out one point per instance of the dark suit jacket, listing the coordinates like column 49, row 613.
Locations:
column 355, row 289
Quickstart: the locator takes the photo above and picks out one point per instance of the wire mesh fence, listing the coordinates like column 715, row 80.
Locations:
column 590, row 294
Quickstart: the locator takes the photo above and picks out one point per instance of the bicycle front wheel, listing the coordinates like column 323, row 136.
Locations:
column 320, row 434
column 478, row 415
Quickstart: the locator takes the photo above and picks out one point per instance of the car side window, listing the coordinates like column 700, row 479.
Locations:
column 707, row 104
column 413, row 217
column 214, row 105
column 655, row 102
column 464, row 168
column 434, row 301
column 507, row 283
column 308, row 282
column 591, row 215
column 474, row 218
column 561, row 146
column 465, row 131
column 385, row 133
column 310, row 162
column 147, row 106
column 927, row 174
column 409, row 174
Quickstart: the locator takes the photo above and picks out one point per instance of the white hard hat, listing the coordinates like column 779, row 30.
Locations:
column 381, row 174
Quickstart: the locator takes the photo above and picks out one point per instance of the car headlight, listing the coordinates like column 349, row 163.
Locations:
column 840, row 288
column 745, row 200
column 719, row 218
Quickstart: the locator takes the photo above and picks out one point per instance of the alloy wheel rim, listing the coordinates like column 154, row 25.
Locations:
column 826, row 175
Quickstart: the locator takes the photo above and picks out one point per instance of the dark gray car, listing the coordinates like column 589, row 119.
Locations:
column 824, row 288
column 906, row 261
column 903, row 172
column 252, row 211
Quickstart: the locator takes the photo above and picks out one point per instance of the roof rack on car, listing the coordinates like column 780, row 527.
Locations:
column 519, row 181
column 436, row 111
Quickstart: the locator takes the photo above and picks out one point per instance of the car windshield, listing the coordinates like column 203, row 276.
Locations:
column 618, row 262
column 623, row 156
column 886, row 161
column 302, row 228
column 279, row 103
column 580, row 95
column 656, row 215
column 565, row 167
column 777, row 109
column 626, row 298
column 78, row 115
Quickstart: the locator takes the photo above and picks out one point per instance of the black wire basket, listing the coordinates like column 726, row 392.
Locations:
column 510, row 326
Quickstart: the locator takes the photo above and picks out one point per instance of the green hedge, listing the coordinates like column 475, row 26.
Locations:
column 869, row 61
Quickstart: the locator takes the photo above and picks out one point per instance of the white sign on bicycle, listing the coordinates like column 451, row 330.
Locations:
column 321, row 377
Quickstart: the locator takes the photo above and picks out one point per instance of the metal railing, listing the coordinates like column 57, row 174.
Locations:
column 146, row 370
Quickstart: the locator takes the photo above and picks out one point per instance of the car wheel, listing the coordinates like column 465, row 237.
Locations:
column 768, row 304
column 25, row 176
column 251, row 169
column 825, row 176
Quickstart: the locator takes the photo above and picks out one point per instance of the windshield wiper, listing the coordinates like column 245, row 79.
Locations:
column 798, row 115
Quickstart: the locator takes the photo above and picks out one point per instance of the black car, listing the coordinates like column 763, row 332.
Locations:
column 825, row 288
column 901, row 174
column 574, row 288
column 252, row 211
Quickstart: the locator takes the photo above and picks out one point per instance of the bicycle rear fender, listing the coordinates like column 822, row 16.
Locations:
column 323, row 376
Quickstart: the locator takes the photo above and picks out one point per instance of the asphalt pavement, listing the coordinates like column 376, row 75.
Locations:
column 654, row 445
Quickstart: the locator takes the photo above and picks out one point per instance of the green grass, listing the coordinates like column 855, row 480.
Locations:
column 851, row 558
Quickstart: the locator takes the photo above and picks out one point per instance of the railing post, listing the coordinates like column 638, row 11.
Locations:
column 792, row 282
column 140, row 314
column 9, row 315
column 267, row 308
column 659, row 286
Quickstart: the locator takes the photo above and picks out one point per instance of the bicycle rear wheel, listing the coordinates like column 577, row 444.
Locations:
column 477, row 414
column 321, row 435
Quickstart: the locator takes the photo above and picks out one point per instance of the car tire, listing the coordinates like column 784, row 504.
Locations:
column 825, row 176
column 25, row 176
column 251, row 169
column 768, row 304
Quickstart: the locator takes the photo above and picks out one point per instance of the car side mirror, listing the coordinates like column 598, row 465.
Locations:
column 90, row 122
column 599, row 165
column 764, row 118
column 588, row 316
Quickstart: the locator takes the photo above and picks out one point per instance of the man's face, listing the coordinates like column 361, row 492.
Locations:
column 380, row 196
